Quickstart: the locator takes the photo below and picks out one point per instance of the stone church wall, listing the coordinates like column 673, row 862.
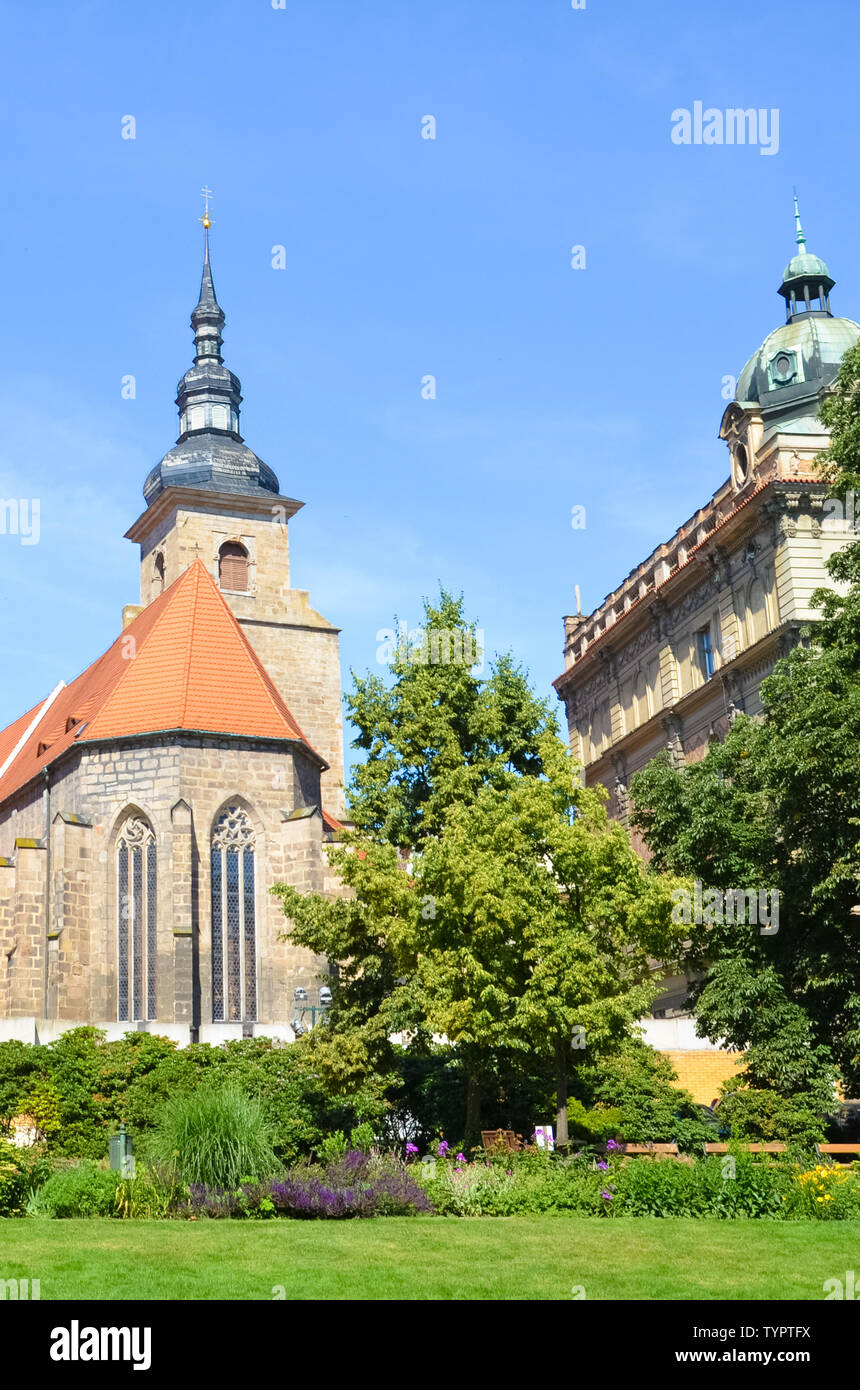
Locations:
column 180, row 787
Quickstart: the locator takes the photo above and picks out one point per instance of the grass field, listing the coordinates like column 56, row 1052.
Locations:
column 427, row 1258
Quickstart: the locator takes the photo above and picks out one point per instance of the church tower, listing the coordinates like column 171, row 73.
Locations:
column 211, row 498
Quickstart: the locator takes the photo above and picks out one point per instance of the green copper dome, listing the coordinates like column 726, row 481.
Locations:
column 796, row 362
column 806, row 265
column 788, row 374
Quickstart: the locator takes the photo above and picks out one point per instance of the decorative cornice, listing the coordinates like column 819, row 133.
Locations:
column 780, row 504
column 271, row 506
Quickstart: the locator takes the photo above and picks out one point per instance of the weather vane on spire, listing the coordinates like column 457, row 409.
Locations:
column 206, row 194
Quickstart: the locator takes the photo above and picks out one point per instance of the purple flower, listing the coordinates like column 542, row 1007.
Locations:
column 443, row 1148
column 611, row 1144
column 461, row 1158
column 412, row 1148
column 607, row 1196
column 602, row 1166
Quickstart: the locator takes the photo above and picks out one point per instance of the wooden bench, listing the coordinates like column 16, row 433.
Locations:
column 648, row 1148
column 499, row 1139
column 780, row 1148
column 748, row 1148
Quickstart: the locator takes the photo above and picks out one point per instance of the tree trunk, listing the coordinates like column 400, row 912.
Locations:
column 561, row 1136
column 473, row 1110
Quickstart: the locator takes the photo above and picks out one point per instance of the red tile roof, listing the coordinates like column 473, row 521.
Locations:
column 183, row 663
column 10, row 737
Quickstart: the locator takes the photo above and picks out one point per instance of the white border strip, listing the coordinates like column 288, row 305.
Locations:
column 34, row 724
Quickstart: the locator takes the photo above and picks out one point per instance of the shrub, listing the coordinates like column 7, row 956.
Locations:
column 332, row 1147
column 150, row 1193
column 764, row 1115
column 471, row 1189
column 21, row 1172
column 636, row 1086
column 593, row 1126
column 827, row 1192
column 82, row 1088
column 362, row 1138
column 738, row 1184
column 525, row 1183
column 86, row 1190
column 217, row 1137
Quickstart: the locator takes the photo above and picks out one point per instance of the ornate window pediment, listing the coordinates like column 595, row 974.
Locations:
column 234, row 918
column 137, row 903
column 234, row 830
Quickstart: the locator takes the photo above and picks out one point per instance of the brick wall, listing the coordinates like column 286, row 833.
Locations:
column 702, row 1073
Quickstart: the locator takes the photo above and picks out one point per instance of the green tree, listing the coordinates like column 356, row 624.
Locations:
column 545, row 924
column 777, row 806
column 491, row 900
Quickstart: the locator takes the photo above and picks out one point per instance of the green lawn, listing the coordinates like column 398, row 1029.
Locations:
column 427, row 1258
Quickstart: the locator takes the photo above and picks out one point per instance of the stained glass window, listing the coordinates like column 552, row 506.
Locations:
column 136, row 921
column 234, row 919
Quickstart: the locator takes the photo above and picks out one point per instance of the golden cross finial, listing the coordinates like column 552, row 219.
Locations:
column 206, row 193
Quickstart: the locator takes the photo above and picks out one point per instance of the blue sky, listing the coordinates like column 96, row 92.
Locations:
column 404, row 257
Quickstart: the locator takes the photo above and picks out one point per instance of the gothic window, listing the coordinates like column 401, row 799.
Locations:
column 234, row 919
column 233, row 567
column 136, row 921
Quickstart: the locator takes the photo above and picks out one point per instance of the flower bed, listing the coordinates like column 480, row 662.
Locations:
column 614, row 1184
column 531, row 1182
column 359, row 1185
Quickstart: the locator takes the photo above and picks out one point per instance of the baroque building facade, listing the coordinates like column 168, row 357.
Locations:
column 147, row 807
column 684, row 642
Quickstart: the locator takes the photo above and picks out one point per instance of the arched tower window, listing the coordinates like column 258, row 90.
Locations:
column 233, row 567
column 234, row 919
column 159, row 573
column 136, row 921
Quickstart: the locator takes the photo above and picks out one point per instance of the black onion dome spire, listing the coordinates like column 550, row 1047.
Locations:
column 209, row 452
